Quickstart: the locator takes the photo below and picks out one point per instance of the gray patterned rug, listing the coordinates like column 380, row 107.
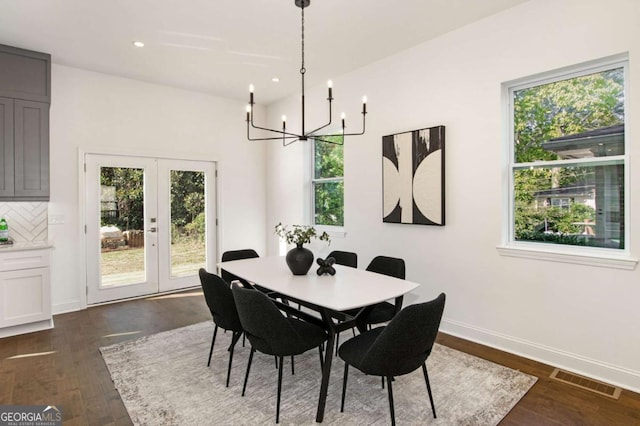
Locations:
column 163, row 380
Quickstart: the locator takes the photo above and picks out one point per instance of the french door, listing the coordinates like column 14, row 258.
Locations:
column 150, row 225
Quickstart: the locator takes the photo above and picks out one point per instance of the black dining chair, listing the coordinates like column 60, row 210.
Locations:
column 219, row 298
column 272, row 333
column 393, row 267
column 345, row 258
column 236, row 255
column 397, row 349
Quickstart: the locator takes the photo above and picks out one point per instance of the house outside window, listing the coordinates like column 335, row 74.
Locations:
column 568, row 157
column 327, row 192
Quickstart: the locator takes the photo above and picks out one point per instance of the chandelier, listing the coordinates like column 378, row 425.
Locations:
column 289, row 137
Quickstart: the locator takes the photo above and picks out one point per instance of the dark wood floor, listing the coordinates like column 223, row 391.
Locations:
column 63, row 367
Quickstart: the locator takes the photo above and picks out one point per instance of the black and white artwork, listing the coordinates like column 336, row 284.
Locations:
column 413, row 177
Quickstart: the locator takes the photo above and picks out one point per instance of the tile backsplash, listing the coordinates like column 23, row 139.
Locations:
column 27, row 221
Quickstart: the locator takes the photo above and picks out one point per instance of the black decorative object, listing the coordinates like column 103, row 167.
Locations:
column 413, row 177
column 326, row 266
column 288, row 136
column 299, row 260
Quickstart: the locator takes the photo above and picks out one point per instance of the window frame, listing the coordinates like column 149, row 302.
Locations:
column 594, row 256
column 332, row 230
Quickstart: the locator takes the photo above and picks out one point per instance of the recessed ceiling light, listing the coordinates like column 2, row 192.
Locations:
column 138, row 44
column 275, row 79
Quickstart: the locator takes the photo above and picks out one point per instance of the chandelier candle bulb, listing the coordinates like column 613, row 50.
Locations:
column 330, row 85
column 364, row 104
column 343, row 116
column 251, row 94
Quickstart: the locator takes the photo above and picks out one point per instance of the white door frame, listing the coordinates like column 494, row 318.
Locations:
column 82, row 153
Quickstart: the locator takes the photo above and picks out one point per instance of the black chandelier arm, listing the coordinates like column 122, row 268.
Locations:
column 289, row 143
column 342, row 134
column 296, row 137
column 271, row 130
column 328, row 124
column 320, row 139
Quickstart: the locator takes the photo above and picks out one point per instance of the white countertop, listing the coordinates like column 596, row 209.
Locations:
column 22, row 246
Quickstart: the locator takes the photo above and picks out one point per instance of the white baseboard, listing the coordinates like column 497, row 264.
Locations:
column 26, row 328
column 62, row 308
column 615, row 375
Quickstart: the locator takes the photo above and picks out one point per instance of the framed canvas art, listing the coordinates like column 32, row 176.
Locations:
column 413, row 177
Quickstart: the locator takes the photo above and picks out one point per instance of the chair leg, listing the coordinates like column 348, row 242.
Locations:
column 393, row 415
column 279, row 389
column 234, row 340
column 276, row 358
column 344, row 385
column 337, row 342
column 426, row 379
column 215, row 331
column 320, row 349
column 382, row 377
column 246, row 375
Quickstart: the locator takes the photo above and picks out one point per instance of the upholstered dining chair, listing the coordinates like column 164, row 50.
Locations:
column 219, row 298
column 236, row 255
column 272, row 333
column 393, row 267
column 400, row 348
column 345, row 258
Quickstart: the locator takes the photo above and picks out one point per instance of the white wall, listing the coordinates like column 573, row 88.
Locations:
column 92, row 112
column 583, row 318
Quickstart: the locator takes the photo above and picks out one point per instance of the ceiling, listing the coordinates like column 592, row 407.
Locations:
column 221, row 46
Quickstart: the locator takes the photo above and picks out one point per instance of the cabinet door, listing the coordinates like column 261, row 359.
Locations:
column 6, row 147
column 25, row 296
column 31, row 148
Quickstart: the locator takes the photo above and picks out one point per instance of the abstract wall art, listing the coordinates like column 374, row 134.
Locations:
column 413, row 177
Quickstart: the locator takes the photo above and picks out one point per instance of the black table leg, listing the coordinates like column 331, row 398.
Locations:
column 326, row 371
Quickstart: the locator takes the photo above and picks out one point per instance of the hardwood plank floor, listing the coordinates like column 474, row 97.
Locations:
column 63, row 367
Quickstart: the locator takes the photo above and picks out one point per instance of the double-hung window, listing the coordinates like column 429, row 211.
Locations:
column 567, row 160
column 327, row 183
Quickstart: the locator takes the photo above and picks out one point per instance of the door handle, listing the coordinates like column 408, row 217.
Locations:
column 154, row 229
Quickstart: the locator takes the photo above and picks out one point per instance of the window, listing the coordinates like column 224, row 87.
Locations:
column 567, row 165
column 328, row 183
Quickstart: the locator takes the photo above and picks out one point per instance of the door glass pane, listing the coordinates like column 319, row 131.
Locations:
column 121, row 226
column 188, row 246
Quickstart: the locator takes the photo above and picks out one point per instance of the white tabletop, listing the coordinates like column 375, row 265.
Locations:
column 349, row 288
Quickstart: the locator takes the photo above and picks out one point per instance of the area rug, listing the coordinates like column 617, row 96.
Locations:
column 163, row 379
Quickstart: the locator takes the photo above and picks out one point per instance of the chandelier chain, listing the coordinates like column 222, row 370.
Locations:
column 302, row 69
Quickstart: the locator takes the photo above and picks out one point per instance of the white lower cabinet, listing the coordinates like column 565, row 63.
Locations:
column 25, row 292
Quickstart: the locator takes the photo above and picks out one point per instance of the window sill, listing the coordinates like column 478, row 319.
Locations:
column 604, row 260
column 333, row 231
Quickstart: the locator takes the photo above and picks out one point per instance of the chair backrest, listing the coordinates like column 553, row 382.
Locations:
column 266, row 328
column 220, row 301
column 345, row 258
column 392, row 266
column 406, row 342
column 236, row 255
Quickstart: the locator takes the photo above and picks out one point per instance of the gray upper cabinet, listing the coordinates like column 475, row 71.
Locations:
column 6, row 147
column 25, row 74
column 31, row 150
column 25, row 95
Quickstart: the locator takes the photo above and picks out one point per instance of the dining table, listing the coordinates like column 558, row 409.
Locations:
column 329, row 295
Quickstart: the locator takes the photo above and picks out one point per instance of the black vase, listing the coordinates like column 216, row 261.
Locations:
column 299, row 260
